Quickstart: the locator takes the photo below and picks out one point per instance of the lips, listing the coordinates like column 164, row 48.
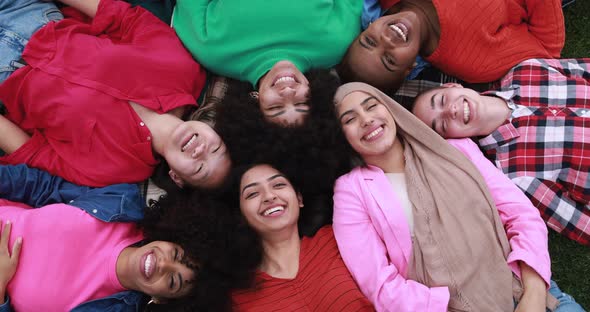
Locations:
column 148, row 264
column 400, row 30
column 273, row 211
column 373, row 134
column 189, row 142
column 466, row 112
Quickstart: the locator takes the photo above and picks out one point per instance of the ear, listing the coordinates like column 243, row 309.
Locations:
column 177, row 180
column 410, row 68
column 300, row 200
column 452, row 85
column 254, row 95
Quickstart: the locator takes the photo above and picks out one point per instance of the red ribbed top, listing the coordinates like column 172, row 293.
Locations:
column 481, row 40
column 323, row 283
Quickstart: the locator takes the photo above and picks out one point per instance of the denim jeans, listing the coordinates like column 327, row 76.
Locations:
column 566, row 302
column 19, row 19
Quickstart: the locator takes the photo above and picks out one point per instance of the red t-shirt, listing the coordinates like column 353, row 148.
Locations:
column 73, row 97
column 323, row 283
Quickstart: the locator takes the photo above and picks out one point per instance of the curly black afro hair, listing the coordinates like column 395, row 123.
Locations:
column 223, row 252
column 313, row 154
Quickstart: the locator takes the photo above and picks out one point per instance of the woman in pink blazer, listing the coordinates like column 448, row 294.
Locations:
column 379, row 226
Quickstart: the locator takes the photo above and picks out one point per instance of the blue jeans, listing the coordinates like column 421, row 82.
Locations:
column 19, row 19
column 566, row 302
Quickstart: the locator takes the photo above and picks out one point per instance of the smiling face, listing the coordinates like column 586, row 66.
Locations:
column 384, row 54
column 453, row 111
column 367, row 125
column 283, row 94
column 268, row 201
column 197, row 156
column 159, row 270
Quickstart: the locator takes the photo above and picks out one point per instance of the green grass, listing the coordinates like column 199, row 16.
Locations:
column 571, row 261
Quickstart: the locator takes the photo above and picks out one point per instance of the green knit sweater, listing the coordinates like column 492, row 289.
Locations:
column 243, row 39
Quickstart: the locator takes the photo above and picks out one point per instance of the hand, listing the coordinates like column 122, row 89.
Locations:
column 8, row 261
column 535, row 291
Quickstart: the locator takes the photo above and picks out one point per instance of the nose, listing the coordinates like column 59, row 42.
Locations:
column 166, row 265
column 198, row 151
column 366, row 120
column 451, row 111
column 269, row 197
column 287, row 91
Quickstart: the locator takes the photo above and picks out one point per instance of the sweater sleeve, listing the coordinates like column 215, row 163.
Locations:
column 365, row 255
column 546, row 23
column 524, row 227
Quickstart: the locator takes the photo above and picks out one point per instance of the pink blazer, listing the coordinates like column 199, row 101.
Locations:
column 374, row 237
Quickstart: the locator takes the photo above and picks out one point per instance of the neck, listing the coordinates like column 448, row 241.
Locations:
column 392, row 161
column 161, row 126
column 122, row 268
column 497, row 113
column 281, row 254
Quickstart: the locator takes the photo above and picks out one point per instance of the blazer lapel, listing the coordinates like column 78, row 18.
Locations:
column 390, row 206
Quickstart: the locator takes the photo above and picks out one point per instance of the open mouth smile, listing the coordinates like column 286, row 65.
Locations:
column 275, row 210
column 191, row 141
column 401, row 30
column 373, row 134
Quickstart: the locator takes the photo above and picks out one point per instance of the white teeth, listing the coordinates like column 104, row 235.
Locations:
column 272, row 210
column 148, row 264
column 373, row 133
column 285, row 79
column 466, row 112
column 193, row 139
column 399, row 31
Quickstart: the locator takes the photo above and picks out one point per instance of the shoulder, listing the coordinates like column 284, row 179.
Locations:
column 465, row 146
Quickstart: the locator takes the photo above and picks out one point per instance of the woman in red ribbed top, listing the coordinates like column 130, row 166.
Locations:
column 473, row 40
column 294, row 274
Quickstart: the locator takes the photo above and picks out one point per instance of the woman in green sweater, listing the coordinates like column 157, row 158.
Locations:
column 269, row 44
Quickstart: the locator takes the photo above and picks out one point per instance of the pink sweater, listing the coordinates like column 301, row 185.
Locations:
column 374, row 237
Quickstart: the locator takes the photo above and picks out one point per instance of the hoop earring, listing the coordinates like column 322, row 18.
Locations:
column 254, row 95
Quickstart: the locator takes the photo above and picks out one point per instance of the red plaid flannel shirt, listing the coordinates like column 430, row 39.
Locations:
column 545, row 146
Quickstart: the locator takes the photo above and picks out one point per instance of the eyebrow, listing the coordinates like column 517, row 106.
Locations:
column 364, row 102
column 278, row 175
column 277, row 114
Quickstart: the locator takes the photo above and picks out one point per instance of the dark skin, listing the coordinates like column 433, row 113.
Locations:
column 431, row 36
column 385, row 53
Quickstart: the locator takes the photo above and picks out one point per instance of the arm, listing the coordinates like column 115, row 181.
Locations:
column 524, row 227
column 12, row 137
column 546, row 23
column 88, row 7
column 8, row 263
column 366, row 257
column 36, row 187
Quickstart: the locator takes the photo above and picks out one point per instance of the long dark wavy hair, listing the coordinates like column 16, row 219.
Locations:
column 312, row 154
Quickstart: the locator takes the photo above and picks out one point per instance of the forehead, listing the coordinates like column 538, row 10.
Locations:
column 258, row 173
column 353, row 99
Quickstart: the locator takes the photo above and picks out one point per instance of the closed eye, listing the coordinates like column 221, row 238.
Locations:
column 370, row 41
column 346, row 122
column 217, row 148
column 251, row 195
column 200, row 168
